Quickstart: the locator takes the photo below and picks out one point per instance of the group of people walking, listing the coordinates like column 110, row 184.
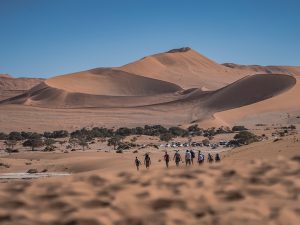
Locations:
column 189, row 158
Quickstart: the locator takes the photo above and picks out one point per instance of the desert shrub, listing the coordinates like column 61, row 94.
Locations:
column 83, row 143
column 195, row 130
column 49, row 148
column 126, row 145
column 3, row 136
column 56, row 134
column 238, row 128
column 245, row 137
column 223, row 130
column 292, row 127
column 101, row 132
column 178, row 132
column 26, row 135
column 123, row 131
column 16, row 136
column 34, row 141
column 137, row 130
column 134, row 139
column 154, row 130
column 83, row 134
column 205, row 142
column 10, row 145
column 73, row 142
column 114, row 141
column 166, row 137
column 209, row 132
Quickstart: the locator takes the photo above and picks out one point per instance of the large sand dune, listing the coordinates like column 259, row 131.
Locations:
column 171, row 88
column 186, row 68
column 10, row 87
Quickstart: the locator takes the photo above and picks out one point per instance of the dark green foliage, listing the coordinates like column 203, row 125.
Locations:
column 124, row 131
column 16, row 136
column 166, row 137
column 34, row 141
column 195, row 130
column 26, row 135
column 177, row 131
column 49, row 142
column 125, row 145
column 83, row 143
column 10, row 145
column 56, row 134
column 245, row 137
column 3, row 136
column 102, row 132
column 238, row 128
column 114, row 141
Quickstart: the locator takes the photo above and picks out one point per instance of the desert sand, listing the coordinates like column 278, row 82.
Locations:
column 255, row 184
column 10, row 87
column 182, row 82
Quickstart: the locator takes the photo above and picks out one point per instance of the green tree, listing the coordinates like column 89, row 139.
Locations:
column 245, row 137
column 166, row 137
column 83, row 143
column 114, row 141
column 49, row 142
column 34, row 141
column 73, row 142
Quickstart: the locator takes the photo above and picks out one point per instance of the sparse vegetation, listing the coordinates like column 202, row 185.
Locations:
column 49, row 142
column 34, row 141
column 238, row 128
column 166, row 137
column 10, row 146
column 114, row 141
column 245, row 137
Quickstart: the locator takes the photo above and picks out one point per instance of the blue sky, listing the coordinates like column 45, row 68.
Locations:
column 43, row 38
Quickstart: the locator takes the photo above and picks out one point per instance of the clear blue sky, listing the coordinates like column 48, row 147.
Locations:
column 42, row 38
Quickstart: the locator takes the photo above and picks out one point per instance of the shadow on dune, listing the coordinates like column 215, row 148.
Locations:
column 248, row 90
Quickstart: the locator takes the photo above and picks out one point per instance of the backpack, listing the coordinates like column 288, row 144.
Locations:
column 137, row 162
column 201, row 158
column 193, row 154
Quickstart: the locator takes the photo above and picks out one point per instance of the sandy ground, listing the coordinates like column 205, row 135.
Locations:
column 254, row 184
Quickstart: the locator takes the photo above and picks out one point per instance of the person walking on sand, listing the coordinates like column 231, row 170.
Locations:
column 210, row 158
column 137, row 163
column 177, row 158
column 167, row 159
column 193, row 156
column 218, row 157
column 147, row 161
column 200, row 157
column 188, row 158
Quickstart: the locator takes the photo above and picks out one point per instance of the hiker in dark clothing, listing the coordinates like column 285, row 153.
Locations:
column 167, row 159
column 210, row 158
column 193, row 156
column 137, row 163
column 177, row 158
column 218, row 157
column 147, row 161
